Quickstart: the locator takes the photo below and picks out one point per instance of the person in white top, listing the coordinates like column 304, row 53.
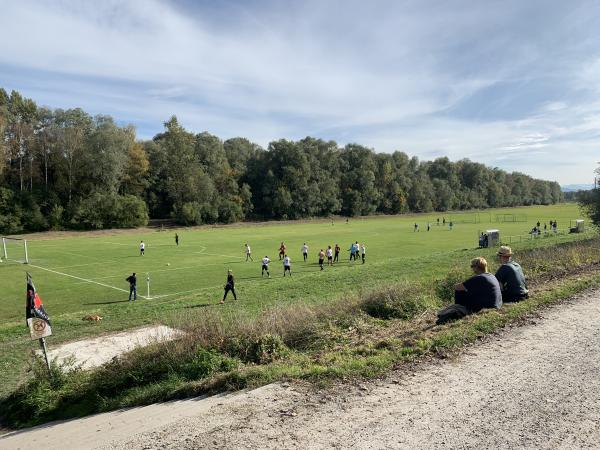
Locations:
column 329, row 254
column 248, row 253
column 142, row 248
column 265, row 266
column 363, row 250
column 287, row 265
column 305, row 251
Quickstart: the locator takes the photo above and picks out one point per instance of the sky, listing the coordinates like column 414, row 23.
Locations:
column 512, row 84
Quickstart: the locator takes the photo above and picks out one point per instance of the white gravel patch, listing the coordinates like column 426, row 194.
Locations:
column 90, row 353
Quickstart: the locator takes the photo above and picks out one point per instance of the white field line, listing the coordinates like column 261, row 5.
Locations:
column 138, row 245
column 218, row 254
column 82, row 279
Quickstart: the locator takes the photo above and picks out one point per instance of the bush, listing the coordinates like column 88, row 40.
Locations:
column 189, row 214
column 10, row 213
column 258, row 350
column 110, row 210
column 444, row 288
column 403, row 301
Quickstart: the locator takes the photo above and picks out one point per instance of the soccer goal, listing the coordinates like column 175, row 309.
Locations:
column 15, row 249
column 511, row 218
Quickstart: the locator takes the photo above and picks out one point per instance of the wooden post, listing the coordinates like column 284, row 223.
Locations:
column 45, row 350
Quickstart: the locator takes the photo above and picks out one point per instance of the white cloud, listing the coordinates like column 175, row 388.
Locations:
column 391, row 75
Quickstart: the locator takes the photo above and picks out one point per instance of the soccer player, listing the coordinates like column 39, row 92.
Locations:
column 363, row 250
column 282, row 249
column 142, row 248
column 337, row 253
column 428, row 226
column 176, row 239
column 450, row 225
column 287, row 265
column 132, row 280
column 229, row 286
column 248, row 253
column 321, row 258
column 305, row 251
column 265, row 267
column 416, row 227
column 329, row 255
column 351, row 250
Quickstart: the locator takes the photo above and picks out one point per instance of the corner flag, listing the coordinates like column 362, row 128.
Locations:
column 34, row 307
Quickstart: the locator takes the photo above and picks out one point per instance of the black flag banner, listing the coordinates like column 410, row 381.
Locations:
column 34, row 307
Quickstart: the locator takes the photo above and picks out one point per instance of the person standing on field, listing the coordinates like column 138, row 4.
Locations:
column 248, row 253
column 305, row 251
column 176, row 239
column 287, row 265
column 363, row 251
column 142, row 248
column 351, row 250
column 329, row 254
column 337, row 253
column 321, row 258
column 282, row 249
column 229, row 286
column 265, row 267
column 132, row 280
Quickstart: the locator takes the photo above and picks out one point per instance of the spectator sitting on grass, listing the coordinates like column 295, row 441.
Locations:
column 478, row 292
column 511, row 278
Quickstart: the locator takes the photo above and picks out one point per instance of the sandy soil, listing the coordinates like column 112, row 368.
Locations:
column 90, row 353
column 535, row 386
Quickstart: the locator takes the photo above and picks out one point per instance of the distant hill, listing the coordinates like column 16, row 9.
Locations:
column 576, row 187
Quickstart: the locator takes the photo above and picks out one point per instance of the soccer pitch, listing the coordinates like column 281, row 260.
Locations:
column 85, row 274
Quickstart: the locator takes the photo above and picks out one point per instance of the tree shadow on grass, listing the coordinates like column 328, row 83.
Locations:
column 107, row 303
column 199, row 305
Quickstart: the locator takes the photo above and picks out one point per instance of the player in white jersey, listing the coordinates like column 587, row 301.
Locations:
column 329, row 253
column 248, row 253
column 265, row 266
column 287, row 265
column 142, row 248
column 305, row 251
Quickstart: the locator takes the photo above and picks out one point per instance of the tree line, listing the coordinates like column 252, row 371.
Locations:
column 66, row 169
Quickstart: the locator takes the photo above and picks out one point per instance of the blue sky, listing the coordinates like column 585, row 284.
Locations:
column 513, row 84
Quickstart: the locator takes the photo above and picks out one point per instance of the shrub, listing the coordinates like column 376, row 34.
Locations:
column 402, row 301
column 444, row 288
column 190, row 214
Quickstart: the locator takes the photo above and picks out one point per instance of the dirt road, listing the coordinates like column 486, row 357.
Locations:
column 536, row 386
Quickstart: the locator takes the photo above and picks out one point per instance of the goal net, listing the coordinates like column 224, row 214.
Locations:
column 14, row 249
column 511, row 218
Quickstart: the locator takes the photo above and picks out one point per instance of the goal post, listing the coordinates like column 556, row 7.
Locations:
column 15, row 249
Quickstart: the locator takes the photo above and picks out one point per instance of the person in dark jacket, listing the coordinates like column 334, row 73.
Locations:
column 230, row 286
column 511, row 278
column 481, row 290
column 132, row 280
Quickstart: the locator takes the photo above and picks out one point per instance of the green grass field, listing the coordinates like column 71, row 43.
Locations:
column 81, row 275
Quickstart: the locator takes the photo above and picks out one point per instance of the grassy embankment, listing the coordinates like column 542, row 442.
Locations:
column 362, row 334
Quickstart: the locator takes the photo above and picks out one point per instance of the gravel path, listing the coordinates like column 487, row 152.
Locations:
column 536, row 386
